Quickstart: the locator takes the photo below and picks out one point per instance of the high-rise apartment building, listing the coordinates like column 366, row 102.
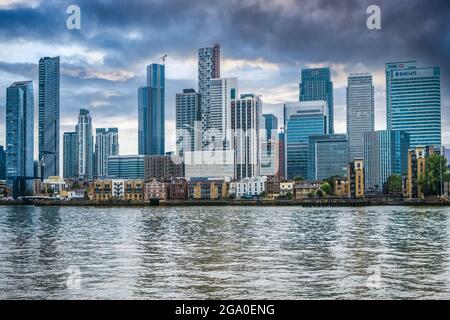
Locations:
column 246, row 123
column 316, row 85
column 360, row 112
column 70, row 155
column 49, row 80
column 106, row 144
column 20, row 137
column 208, row 68
column 188, row 122
column 302, row 119
column 85, row 144
column 413, row 102
column 385, row 154
column 151, row 112
column 222, row 91
column 270, row 164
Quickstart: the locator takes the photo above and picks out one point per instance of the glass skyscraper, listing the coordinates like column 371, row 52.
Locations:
column 70, row 155
column 208, row 68
column 385, row 154
column 85, row 145
column 49, row 80
column 106, row 144
column 327, row 156
column 188, row 121
column 151, row 110
column 413, row 101
column 270, row 146
column 126, row 167
column 20, row 137
column 360, row 112
column 316, row 85
column 302, row 119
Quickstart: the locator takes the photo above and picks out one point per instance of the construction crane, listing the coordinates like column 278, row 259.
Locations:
column 163, row 58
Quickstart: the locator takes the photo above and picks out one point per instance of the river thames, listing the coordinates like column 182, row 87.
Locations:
column 224, row 253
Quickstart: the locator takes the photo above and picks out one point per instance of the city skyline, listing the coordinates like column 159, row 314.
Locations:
column 96, row 79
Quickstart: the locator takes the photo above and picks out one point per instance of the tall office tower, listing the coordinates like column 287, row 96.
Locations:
column 360, row 112
column 85, row 145
column 246, row 124
column 208, row 68
column 302, row 119
column 270, row 164
column 385, row 154
column 222, row 91
column 413, row 101
column 126, row 167
column 20, row 137
column 49, row 116
column 316, row 85
column 106, row 144
column 281, row 155
column 2, row 163
column 188, row 122
column 151, row 110
column 327, row 156
column 70, row 155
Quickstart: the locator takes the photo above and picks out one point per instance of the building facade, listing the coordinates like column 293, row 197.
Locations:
column 70, row 155
column 85, row 145
column 151, row 112
column 316, row 85
column 218, row 164
column 356, row 178
column 246, row 124
column 327, row 156
column 270, row 146
column 2, row 163
column 188, row 122
column 49, row 114
column 162, row 168
column 126, row 167
column 360, row 112
column 20, row 137
column 106, row 144
column 248, row 187
column 385, row 154
column 413, row 102
column 208, row 68
column 302, row 119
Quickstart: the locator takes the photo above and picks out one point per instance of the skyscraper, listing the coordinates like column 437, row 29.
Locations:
column 208, row 68
column 70, row 155
column 222, row 91
column 246, row 123
column 188, row 121
column 316, row 85
column 106, row 144
column 20, row 137
column 49, row 116
column 151, row 110
column 413, row 101
column 302, row 119
column 85, row 145
column 2, row 163
column 385, row 154
column 360, row 112
column 270, row 146
column 327, row 156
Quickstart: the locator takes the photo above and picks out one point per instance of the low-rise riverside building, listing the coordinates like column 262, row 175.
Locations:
column 416, row 169
column 178, row 189
column 273, row 187
column 356, row 178
column 286, row 188
column 134, row 190
column 101, row 190
column 156, row 190
column 72, row 195
column 248, row 187
column 340, row 187
column 306, row 189
column 204, row 189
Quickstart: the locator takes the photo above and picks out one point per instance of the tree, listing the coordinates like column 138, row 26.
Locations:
column 263, row 194
column 393, row 184
column 326, row 188
column 435, row 170
column 298, row 178
column 320, row 193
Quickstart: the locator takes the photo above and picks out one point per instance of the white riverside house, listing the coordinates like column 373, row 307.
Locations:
column 118, row 188
column 248, row 187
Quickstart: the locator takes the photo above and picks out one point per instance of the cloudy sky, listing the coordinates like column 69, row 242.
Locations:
column 264, row 43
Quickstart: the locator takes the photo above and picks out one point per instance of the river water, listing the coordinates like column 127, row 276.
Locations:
column 224, row 253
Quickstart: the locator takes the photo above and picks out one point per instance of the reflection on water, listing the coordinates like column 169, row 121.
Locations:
column 225, row 252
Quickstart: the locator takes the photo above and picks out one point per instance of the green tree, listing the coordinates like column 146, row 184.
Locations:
column 326, row 188
column 435, row 170
column 298, row 178
column 393, row 184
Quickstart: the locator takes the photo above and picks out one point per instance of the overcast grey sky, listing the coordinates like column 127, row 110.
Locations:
column 264, row 43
